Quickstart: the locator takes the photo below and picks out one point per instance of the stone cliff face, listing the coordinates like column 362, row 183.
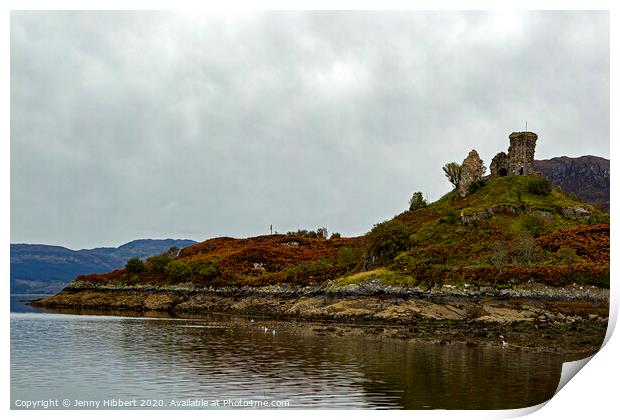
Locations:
column 587, row 177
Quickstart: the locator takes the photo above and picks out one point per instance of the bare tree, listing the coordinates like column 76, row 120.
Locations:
column 499, row 256
column 525, row 248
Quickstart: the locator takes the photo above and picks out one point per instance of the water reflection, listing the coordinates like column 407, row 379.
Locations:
column 99, row 357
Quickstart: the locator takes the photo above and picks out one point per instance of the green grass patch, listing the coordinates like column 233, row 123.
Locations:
column 384, row 275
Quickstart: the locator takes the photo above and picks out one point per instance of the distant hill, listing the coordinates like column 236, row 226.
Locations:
column 587, row 177
column 48, row 268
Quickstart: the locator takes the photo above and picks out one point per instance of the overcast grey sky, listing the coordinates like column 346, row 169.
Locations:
column 153, row 125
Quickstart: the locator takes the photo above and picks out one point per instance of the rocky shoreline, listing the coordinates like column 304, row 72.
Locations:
column 571, row 320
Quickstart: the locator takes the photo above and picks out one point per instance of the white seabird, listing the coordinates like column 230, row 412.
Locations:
column 504, row 342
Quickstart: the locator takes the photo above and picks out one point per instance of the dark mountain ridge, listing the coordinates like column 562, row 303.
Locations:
column 587, row 177
column 39, row 268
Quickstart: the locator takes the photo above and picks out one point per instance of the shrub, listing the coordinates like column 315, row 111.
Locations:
column 387, row 239
column 207, row 271
column 417, row 201
column 346, row 256
column 524, row 249
column 336, row 235
column 567, row 255
column 134, row 265
column 539, row 185
column 535, row 223
column 321, row 233
column 404, row 263
column 158, row 263
column 178, row 270
column 321, row 264
column 305, row 233
column 306, row 267
column 475, row 186
column 499, row 256
column 451, row 217
column 598, row 218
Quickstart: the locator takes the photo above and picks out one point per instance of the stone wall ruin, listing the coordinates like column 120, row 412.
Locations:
column 499, row 165
column 472, row 170
column 518, row 161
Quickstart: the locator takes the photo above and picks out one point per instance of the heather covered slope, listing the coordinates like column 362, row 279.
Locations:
column 508, row 232
column 504, row 234
column 254, row 261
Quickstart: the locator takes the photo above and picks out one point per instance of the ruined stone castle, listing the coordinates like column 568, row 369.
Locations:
column 518, row 161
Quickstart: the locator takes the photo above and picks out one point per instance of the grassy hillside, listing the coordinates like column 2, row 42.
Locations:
column 505, row 233
column 508, row 231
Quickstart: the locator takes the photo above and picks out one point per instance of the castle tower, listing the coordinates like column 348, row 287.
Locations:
column 521, row 153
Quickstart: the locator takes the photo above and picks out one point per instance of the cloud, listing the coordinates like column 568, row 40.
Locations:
column 159, row 124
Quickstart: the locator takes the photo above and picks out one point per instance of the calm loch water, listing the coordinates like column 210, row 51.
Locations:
column 161, row 361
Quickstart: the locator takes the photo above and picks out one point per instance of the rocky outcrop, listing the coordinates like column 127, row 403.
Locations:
column 537, row 318
column 385, row 303
column 468, row 218
column 575, row 212
column 476, row 216
column 472, row 171
column 587, row 177
column 533, row 315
